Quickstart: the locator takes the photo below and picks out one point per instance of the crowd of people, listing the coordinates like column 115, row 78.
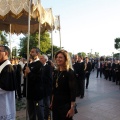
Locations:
column 47, row 85
column 109, row 69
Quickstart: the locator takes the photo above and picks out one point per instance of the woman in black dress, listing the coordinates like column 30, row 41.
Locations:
column 64, row 88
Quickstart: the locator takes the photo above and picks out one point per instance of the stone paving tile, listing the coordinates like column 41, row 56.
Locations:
column 101, row 101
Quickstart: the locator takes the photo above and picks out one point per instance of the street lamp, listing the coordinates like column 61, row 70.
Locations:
column 112, row 56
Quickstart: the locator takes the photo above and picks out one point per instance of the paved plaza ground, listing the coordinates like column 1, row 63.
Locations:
column 101, row 101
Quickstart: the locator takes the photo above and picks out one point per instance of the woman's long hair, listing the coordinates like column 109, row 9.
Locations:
column 68, row 63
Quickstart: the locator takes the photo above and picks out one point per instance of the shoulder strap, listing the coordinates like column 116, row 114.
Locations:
column 7, row 62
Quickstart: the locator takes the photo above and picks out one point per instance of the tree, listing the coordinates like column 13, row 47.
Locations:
column 55, row 49
column 14, row 51
column 83, row 54
column 117, row 43
column 45, row 43
column 3, row 38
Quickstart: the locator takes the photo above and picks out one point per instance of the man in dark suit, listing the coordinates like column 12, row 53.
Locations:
column 47, row 80
column 81, row 75
column 79, row 68
column 109, row 70
column 35, row 87
column 113, row 71
column 99, row 68
column 76, row 69
column 88, row 69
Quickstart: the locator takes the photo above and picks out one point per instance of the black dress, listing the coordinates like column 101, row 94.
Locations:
column 64, row 92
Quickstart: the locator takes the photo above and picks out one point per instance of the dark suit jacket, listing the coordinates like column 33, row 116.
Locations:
column 89, row 67
column 47, row 79
column 34, row 82
column 79, row 69
column 98, row 65
column 75, row 66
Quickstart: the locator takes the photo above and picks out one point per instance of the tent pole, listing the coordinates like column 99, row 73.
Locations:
column 52, row 44
column 51, row 35
column 39, row 35
column 39, row 27
column 28, row 31
column 28, row 53
column 59, row 31
column 10, row 42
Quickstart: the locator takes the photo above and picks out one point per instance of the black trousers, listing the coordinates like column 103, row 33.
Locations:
column 78, row 87
column 99, row 70
column 87, row 75
column 82, row 87
column 35, row 110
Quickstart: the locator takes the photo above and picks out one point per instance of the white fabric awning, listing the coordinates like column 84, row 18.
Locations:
column 15, row 12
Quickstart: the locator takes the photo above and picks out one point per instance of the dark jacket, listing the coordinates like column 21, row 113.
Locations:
column 80, row 70
column 34, row 81
column 47, row 79
column 7, row 78
column 88, row 67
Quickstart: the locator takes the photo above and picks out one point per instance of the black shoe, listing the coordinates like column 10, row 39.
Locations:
column 86, row 87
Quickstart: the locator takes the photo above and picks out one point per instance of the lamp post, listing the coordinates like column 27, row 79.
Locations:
column 59, row 30
column 112, row 56
column 91, row 51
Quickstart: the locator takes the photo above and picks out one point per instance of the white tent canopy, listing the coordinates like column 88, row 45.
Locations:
column 15, row 12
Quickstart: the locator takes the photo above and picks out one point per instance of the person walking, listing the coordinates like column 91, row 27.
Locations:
column 81, row 76
column 35, row 87
column 64, row 88
column 99, row 68
column 87, row 71
column 75, row 65
column 47, row 81
column 7, row 86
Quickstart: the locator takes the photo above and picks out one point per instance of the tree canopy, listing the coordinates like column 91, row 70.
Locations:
column 45, row 44
column 83, row 54
column 117, row 43
column 3, row 39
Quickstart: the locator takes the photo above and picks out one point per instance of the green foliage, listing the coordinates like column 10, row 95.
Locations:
column 117, row 43
column 23, row 47
column 55, row 49
column 116, row 55
column 3, row 38
column 14, row 51
column 83, row 54
column 45, row 43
